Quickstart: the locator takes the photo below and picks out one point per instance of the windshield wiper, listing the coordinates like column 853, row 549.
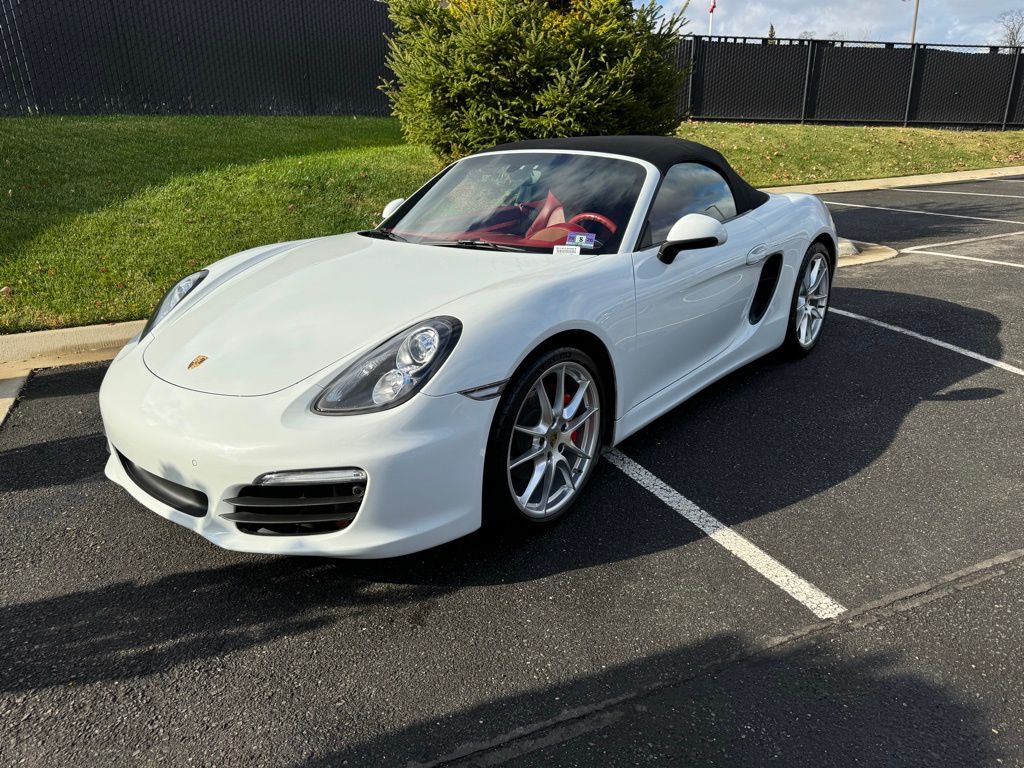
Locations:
column 485, row 245
column 382, row 234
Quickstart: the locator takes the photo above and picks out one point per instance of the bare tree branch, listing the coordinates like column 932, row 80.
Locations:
column 1012, row 23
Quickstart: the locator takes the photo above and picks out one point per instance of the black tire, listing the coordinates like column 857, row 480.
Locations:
column 793, row 347
column 500, row 510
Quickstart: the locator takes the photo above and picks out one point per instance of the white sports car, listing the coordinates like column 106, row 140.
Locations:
column 380, row 392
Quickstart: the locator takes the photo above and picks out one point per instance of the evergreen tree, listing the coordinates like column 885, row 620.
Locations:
column 473, row 73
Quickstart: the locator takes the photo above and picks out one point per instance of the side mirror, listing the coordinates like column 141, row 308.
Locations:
column 694, row 230
column 393, row 206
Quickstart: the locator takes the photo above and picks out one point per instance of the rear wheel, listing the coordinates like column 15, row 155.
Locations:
column 810, row 302
column 545, row 441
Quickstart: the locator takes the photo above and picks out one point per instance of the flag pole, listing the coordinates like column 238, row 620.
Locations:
column 711, row 15
column 913, row 28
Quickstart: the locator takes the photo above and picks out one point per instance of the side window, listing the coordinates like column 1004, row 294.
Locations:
column 688, row 188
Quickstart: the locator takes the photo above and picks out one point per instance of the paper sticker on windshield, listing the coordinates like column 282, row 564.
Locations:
column 566, row 250
column 581, row 239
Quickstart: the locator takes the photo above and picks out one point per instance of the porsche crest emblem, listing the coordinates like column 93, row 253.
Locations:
column 197, row 361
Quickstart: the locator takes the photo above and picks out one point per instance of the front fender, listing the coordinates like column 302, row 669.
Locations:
column 503, row 325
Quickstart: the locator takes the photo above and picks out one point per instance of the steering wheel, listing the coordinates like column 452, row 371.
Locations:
column 604, row 221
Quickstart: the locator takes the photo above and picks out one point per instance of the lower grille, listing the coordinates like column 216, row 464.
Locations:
column 179, row 497
column 295, row 510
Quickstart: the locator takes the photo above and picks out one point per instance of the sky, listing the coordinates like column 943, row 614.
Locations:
column 939, row 21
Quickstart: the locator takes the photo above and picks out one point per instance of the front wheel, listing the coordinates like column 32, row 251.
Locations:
column 546, row 440
column 810, row 302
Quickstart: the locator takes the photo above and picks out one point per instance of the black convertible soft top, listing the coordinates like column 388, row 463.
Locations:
column 660, row 151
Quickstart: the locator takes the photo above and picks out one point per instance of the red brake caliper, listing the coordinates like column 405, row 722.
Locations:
column 568, row 399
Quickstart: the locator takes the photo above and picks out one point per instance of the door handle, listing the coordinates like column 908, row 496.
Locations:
column 758, row 254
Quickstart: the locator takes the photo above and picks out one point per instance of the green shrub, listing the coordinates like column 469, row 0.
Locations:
column 474, row 73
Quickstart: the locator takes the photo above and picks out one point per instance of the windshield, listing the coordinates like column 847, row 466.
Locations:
column 526, row 201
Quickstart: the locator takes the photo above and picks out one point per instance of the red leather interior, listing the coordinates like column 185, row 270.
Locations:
column 550, row 213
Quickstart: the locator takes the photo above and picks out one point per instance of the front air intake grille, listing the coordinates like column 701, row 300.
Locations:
column 295, row 510
column 179, row 497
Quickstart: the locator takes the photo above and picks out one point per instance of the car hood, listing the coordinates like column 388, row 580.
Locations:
column 287, row 317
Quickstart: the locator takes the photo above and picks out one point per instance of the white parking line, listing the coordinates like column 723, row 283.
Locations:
column 950, row 192
column 812, row 598
column 923, row 213
column 964, row 241
column 965, row 258
column 929, row 249
column 930, row 340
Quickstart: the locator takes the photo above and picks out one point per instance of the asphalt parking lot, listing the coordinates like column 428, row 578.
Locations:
column 850, row 595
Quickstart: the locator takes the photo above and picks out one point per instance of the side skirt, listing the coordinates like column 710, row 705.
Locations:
column 766, row 337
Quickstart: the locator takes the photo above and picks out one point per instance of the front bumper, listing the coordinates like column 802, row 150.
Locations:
column 424, row 460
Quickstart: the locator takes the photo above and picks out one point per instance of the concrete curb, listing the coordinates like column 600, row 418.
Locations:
column 852, row 254
column 37, row 348
column 900, row 181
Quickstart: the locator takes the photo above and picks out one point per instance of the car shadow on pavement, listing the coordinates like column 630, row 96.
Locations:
column 730, row 448
column 718, row 702
column 776, row 432
column 129, row 629
column 44, row 464
column 140, row 626
column 59, row 441
column 64, row 381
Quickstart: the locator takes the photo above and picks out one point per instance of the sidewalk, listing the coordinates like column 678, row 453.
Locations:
column 860, row 185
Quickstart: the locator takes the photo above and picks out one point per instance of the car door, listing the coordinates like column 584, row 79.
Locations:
column 689, row 311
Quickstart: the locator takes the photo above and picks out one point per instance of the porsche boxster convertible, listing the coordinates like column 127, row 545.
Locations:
column 465, row 362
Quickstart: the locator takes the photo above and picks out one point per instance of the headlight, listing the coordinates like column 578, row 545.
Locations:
column 173, row 298
column 394, row 371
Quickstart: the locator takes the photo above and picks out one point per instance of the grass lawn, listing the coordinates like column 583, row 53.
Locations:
column 99, row 215
column 774, row 155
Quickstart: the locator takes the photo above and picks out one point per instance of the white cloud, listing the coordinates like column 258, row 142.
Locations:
column 939, row 21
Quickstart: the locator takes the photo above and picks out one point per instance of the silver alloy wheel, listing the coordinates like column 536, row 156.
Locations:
column 555, row 440
column 812, row 301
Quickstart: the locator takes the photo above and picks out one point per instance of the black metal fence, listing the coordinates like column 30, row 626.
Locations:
column 192, row 56
column 327, row 57
column 835, row 81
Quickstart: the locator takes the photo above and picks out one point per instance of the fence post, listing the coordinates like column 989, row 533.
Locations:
column 1009, row 94
column 910, row 87
column 807, row 80
column 689, row 76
